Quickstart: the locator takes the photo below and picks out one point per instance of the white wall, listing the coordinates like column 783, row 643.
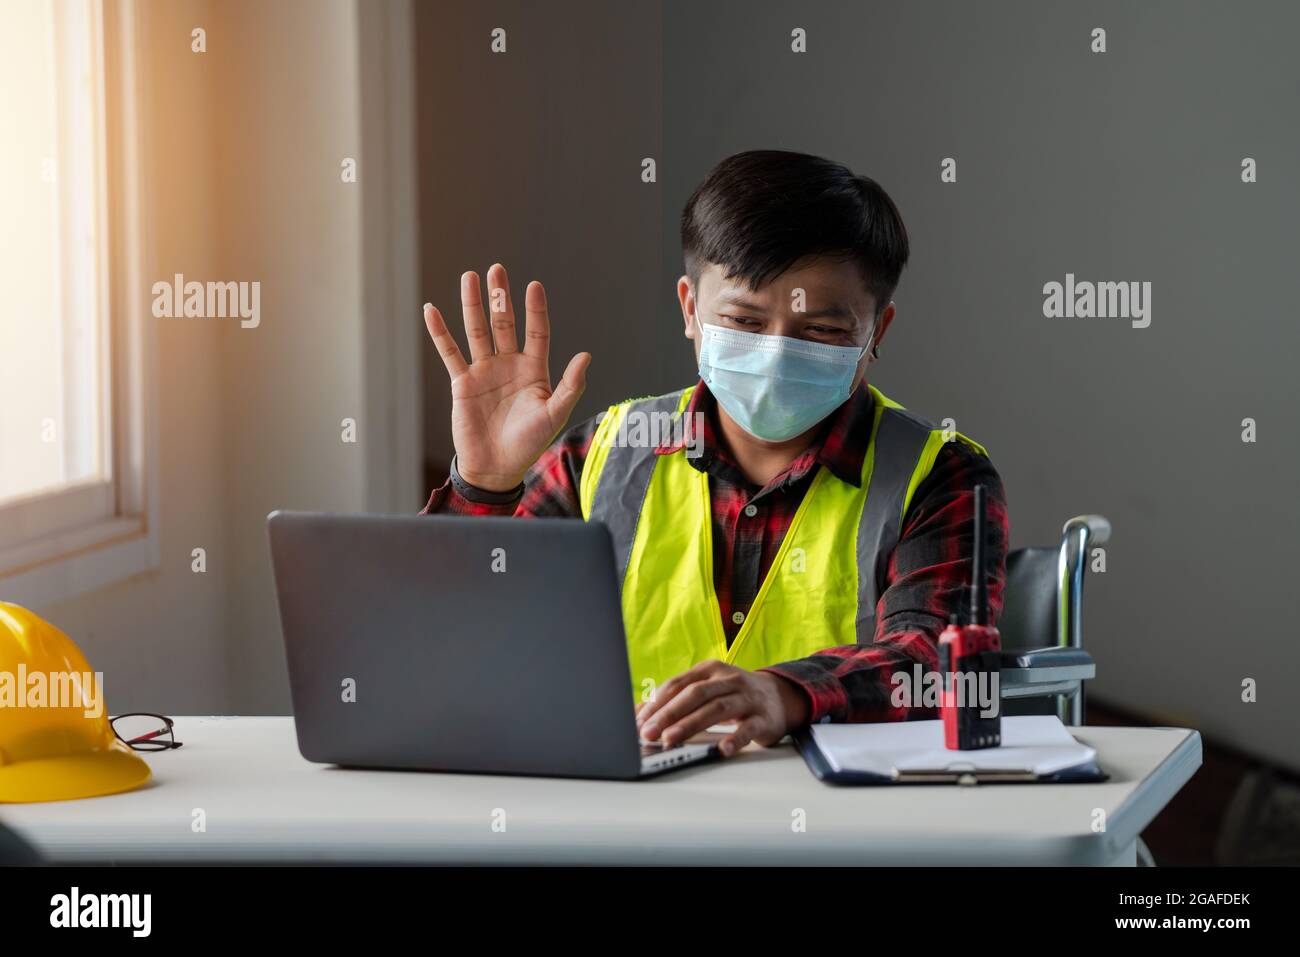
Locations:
column 158, row 637
column 249, row 137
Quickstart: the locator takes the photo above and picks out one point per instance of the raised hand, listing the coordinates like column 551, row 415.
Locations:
column 504, row 412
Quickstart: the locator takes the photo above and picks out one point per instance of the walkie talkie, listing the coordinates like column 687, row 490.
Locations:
column 969, row 660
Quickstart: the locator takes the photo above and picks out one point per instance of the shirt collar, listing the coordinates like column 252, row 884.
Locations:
column 840, row 445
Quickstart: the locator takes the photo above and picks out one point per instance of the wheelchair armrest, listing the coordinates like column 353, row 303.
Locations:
column 1097, row 526
column 1045, row 671
column 1054, row 656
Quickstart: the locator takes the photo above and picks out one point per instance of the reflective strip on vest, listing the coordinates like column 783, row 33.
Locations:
column 825, row 581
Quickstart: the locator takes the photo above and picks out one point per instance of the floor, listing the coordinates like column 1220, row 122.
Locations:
column 1234, row 810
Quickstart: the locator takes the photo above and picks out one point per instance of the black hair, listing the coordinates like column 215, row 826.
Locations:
column 758, row 213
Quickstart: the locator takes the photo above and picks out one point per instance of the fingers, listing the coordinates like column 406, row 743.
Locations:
column 694, row 698
column 566, row 395
column 713, row 711
column 476, row 325
column 501, row 310
column 666, row 691
column 443, row 341
column 747, row 731
column 537, row 322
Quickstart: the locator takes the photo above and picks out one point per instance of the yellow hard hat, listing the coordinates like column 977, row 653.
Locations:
column 54, row 745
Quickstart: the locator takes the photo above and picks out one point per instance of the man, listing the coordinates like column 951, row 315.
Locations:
column 808, row 541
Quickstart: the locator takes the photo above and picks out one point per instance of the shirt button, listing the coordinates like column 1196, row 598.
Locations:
column 738, row 617
column 751, row 510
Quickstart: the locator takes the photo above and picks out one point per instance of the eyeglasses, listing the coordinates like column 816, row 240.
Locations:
column 145, row 732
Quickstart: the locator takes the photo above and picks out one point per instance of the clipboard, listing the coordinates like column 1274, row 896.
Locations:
column 1089, row 772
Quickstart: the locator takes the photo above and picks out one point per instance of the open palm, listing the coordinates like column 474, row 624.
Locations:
column 504, row 412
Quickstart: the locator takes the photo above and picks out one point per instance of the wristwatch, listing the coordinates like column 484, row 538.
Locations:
column 481, row 495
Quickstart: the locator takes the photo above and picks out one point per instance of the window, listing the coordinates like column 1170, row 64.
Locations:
column 53, row 396
column 70, row 484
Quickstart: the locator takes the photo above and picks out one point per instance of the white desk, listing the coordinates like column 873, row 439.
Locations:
column 263, row 802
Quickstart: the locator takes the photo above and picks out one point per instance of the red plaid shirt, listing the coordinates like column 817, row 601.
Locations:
column 926, row 574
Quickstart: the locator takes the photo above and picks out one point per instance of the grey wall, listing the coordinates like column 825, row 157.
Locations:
column 532, row 158
column 287, row 112
column 1116, row 167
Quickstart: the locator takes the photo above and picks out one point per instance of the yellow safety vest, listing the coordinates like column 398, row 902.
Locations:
column 823, row 585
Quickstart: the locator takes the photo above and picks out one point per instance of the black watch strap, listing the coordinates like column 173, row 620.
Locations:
column 482, row 496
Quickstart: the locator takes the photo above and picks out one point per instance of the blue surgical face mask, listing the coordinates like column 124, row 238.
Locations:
column 774, row 387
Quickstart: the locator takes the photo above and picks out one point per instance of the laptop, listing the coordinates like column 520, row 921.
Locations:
column 450, row 643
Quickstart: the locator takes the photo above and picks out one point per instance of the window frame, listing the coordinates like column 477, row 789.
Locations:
column 58, row 544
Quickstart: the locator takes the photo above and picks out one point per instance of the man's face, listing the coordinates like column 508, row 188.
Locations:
column 820, row 300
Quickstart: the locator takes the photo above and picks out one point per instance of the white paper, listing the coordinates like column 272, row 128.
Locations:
column 1038, row 743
